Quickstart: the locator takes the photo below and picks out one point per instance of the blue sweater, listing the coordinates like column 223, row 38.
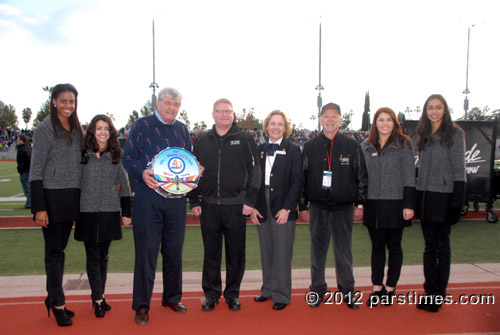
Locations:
column 148, row 136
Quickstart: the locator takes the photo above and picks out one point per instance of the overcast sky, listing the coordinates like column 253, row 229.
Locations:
column 261, row 54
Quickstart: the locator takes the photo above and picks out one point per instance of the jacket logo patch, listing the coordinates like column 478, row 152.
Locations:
column 345, row 160
column 235, row 142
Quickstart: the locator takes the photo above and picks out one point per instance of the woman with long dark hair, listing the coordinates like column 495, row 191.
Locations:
column 100, row 220
column 389, row 208
column 55, row 188
column 440, row 193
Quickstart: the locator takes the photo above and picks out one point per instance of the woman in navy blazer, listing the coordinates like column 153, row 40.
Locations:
column 276, row 208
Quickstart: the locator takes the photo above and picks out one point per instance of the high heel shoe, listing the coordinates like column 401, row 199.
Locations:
column 47, row 304
column 388, row 298
column 106, row 306
column 375, row 297
column 62, row 318
column 99, row 308
column 71, row 314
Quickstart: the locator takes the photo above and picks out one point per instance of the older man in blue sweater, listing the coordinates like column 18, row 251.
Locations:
column 159, row 222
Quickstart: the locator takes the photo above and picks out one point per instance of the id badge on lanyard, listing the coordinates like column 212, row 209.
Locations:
column 327, row 175
column 327, row 179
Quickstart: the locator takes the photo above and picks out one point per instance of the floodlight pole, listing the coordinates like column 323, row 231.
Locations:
column 319, row 87
column 467, row 91
column 153, row 85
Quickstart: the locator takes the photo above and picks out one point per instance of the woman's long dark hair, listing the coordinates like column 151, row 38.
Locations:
column 396, row 136
column 113, row 145
column 446, row 129
column 73, row 119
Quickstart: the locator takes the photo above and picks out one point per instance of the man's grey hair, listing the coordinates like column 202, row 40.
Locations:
column 222, row 100
column 171, row 92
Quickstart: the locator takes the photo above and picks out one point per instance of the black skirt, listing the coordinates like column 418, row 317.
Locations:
column 98, row 227
column 384, row 214
column 433, row 206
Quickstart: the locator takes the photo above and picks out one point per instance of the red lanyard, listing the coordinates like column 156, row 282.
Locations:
column 329, row 157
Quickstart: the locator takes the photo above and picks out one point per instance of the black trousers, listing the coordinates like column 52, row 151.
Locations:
column 97, row 267
column 218, row 222
column 56, row 237
column 437, row 256
column 389, row 238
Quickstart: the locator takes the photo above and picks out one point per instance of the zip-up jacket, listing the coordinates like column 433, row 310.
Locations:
column 23, row 158
column 348, row 179
column 232, row 174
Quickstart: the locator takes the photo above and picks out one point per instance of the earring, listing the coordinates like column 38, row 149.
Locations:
column 55, row 105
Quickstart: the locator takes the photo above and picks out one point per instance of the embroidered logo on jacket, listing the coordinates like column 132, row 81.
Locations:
column 345, row 160
column 235, row 142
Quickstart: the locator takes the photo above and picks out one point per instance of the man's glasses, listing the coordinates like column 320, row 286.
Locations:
column 223, row 111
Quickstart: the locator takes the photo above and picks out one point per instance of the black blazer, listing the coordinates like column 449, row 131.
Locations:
column 285, row 180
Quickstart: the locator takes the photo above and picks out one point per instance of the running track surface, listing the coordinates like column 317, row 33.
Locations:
column 29, row 316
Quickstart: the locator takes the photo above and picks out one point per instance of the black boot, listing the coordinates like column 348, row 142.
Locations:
column 99, row 308
column 62, row 318
column 71, row 314
column 375, row 296
column 106, row 306
column 387, row 299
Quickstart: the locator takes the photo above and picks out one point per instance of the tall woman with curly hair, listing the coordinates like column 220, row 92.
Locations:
column 440, row 193
column 55, row 189
column 100, row 219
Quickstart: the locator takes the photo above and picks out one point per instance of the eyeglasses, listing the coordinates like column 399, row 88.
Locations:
column 223, row 111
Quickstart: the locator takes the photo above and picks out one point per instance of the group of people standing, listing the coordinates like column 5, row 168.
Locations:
column 77, row 177
column 331, row 183
column 380, row 183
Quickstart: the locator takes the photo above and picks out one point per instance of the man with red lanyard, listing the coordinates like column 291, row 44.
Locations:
column 334, row 190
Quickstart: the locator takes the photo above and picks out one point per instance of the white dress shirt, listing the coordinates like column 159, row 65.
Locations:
column 269, row 164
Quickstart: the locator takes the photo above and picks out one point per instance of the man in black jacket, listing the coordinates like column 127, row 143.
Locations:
column 226, row 194
column 23, row 166
column 335, row 179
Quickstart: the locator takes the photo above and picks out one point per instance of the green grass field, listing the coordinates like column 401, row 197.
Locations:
column 9, row 180
column 10, row 186
column 21, row 251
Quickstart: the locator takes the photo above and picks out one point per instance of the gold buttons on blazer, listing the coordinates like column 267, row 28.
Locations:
column 271, row 189
column 271, row 174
